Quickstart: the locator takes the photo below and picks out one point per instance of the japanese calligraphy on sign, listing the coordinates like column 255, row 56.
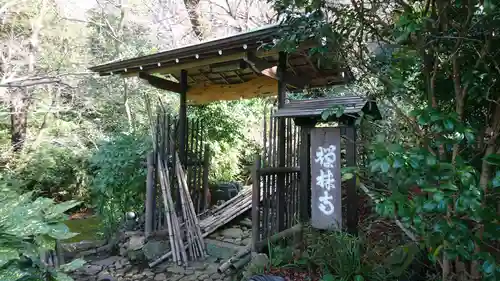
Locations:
column 326, row 179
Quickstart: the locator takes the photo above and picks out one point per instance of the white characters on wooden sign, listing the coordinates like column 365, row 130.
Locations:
column 326, row 157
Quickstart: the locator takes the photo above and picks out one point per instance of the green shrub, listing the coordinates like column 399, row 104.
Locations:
column 118, row 177
column 28, row 227
column 54, row 171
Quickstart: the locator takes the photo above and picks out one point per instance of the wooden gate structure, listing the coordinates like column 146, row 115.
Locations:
column 278, row 206
column 233, row 68
column 277, row 186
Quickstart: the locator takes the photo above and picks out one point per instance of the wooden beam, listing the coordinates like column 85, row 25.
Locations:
column 161, row 83
column 208, row 92
column 177, row 67
column 183, row 117
column 280, row 196
column 270, row 69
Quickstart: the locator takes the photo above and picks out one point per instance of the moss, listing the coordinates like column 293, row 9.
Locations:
column 89, row 229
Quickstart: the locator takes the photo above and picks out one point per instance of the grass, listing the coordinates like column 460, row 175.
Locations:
column 88, row 229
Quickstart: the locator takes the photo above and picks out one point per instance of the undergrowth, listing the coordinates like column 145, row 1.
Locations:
column 332, row 256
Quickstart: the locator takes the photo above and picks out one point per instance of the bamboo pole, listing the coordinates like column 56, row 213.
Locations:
column 231, row 263
column 190, row 202
column 186, row 220
column 163, row 181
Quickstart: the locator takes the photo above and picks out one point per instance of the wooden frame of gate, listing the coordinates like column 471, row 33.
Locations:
column 233, row 68
column 279, row 206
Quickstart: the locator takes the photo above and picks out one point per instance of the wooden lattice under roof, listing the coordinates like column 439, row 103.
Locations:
column 229, row 68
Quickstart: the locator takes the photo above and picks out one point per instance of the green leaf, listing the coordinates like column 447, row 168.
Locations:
column 45, row 242
column 496, row 179
column 328, row 277
column 73, row 265
column 384, row 166
column 493, row 159
column 59, row 276
column 60, row 231
column 359, row 278
column 488, row 267
column 12, row 273
column 448, row 124
column 429, row 206
column 61, row 208
column 347, row 176
column 6, row 255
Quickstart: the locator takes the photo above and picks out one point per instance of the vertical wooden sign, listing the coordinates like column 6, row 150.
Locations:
column 326, row 209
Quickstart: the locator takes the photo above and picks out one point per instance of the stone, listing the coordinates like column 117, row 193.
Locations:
column 92, row 270
column 135, row 243
column 175, row 269
column 148, row 273
column 105, row 277
column 154, row 249
column 203, row 277
column 259, row 261
column 175, row 277
column 123, row 251
column 211, row 269
column 246, row 241
column 160, row 277
column 215, row 276
column 107, row 262
column 232, row 233
column 189, row 278
column 198, row 266
column 135, row 256
column 118, row 265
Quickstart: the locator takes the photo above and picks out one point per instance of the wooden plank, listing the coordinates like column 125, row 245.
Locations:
column 352, row 191
column 161, row 83
column 150, row 196
column 305, row 179
column 183, row 119
column 256, row 202
column 289, row 78
column 326, row 209
column 261, row 86
column 280, row 196
column 206, row 166
column 278, row 170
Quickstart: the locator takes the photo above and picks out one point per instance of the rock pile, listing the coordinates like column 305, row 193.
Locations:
column 134, row 252
column 121, row 269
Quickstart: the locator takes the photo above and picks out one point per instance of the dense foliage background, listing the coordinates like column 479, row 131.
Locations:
column 433, row 162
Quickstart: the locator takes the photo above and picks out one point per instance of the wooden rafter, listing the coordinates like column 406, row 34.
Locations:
column 161, row 83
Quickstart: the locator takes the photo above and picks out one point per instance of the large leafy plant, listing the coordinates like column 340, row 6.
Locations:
column 27, row 228
column 441, row 199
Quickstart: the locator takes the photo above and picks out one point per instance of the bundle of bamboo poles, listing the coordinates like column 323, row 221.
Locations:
column 219, row 217
column 191, row 231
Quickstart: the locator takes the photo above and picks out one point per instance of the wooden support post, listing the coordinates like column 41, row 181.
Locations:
column 183, row 117
column 281, row 142
column 182, row 131
column 256, row 203
column 206, row 168
column 305, row 176
column 150, row 196
column 352, row 191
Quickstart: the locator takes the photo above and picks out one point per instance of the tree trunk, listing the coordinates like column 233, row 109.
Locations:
column 18, row 121
column 195, row 17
